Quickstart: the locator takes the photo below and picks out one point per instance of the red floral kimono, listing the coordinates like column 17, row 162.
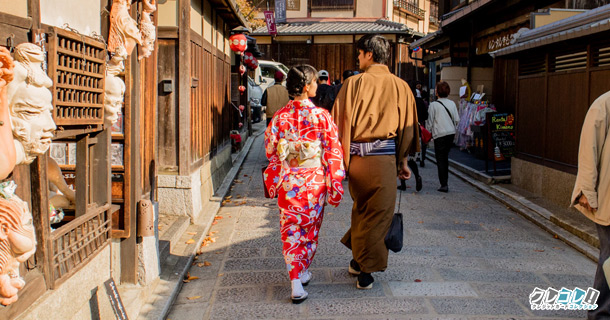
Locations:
column 305, row 171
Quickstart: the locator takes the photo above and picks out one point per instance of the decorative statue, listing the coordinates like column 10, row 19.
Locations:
column 30, row 104
column 17, row 242
column 7, row 146
column 123, row 37
column 148, row 29
column 115, row 89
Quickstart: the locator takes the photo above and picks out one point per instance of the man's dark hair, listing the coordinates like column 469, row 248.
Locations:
column 347, row 74
column 442, row 89
column 298, row 77
column 376, row 44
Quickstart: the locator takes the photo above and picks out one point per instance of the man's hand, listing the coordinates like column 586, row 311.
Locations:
column 405, row 172
column 582, row 200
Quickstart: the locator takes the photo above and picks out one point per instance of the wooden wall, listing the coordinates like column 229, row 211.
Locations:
column 210, row 107
column 555, row 86
column 336, row 58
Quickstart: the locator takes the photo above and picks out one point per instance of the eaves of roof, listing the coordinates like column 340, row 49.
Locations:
column 381, row 26
column 464, row 12
column 584, row 24
column 429, row 37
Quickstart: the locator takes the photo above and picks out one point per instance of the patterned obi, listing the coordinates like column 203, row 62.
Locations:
column 375, row 148
column 302, row 154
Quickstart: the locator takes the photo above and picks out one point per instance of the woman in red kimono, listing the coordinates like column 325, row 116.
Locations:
column 305, row 171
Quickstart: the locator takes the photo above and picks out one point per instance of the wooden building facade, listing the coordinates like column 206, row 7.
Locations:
column 110, row 167
column 553, row 82
column 196, row 107
column 324, row 34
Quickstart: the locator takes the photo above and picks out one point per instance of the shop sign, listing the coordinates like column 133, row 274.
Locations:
column 270, row 19
column 280, row 11
column 496, row 40
column 502, row 127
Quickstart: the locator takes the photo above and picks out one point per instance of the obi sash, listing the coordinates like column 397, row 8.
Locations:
column 375, row 148
column 302, row 154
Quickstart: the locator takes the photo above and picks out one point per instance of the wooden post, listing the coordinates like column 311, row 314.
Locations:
column 184, row 86
column 40, row 215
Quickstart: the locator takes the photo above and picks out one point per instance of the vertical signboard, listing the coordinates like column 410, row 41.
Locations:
column 270, row 20
column 280, row 11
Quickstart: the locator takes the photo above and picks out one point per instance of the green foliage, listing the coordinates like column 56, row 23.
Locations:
column 246, row 7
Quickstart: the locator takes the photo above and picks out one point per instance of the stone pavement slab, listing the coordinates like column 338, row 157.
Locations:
column 466, row 256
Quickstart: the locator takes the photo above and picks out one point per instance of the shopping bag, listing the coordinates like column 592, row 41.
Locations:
column 426, row 136
column 264, row 186
column 393, row 240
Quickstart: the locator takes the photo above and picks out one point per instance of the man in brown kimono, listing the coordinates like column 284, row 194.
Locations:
column 376, row 116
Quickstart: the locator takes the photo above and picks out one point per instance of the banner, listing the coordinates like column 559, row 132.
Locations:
column 280, row 11
column 270, row 19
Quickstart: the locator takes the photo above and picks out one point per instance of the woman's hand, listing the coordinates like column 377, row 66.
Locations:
column 405, row 172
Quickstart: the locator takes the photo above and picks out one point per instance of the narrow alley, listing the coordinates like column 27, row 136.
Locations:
column 465, row 256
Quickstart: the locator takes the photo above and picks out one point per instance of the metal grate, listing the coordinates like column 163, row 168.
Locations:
column 77, row 242
column 535, row 64
column 569, row 61
column 77, row 65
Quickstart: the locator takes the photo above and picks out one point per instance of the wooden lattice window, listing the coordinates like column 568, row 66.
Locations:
column 601, row 55
column 77, row 65
column 572, row 60
column 74, row 244
column 533, row 64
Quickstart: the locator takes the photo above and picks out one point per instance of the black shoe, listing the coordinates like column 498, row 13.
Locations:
column 354, row 268
column 365, row 281
column 444, row 189
column 418, row 183
column 403, row 188
column 422, row 164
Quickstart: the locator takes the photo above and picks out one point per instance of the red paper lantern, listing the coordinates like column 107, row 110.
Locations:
column 241, row 89
column 254, row 64
column 238, row 43
column 241, row 107
column 242, row 70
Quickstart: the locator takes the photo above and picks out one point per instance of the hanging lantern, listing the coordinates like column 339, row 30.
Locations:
column 238, row 43
column 241, row 107
column 241, row 89
column 254, row 64
column 242, row 69
column 241, row 124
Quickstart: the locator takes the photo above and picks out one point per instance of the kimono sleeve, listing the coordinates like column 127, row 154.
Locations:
column 271, row 175
column 592, row 139
column 332, row 160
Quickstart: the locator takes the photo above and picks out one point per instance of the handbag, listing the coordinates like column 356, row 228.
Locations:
column 394, row 239
column 426, row 135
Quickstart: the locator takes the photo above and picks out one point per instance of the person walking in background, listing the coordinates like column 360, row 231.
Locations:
column 346, row 74
column 325, row 95
column 275, row 97
column 442, row 120
column 422, row 116
column 305, row 171
column 377, row 122
column 591, row 194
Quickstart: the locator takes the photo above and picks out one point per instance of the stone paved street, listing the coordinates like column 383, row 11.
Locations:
column 466, row 256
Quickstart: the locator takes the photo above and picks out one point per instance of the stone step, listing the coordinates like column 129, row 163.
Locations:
column 168, row 238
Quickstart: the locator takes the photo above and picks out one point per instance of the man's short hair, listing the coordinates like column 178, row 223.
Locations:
column 377, row 45
column 347, row 74
column 442, row 89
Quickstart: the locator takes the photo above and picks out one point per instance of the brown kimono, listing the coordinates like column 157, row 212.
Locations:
column 370, row 106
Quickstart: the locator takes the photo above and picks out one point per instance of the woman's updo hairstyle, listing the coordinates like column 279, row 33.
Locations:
column 298, row 77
